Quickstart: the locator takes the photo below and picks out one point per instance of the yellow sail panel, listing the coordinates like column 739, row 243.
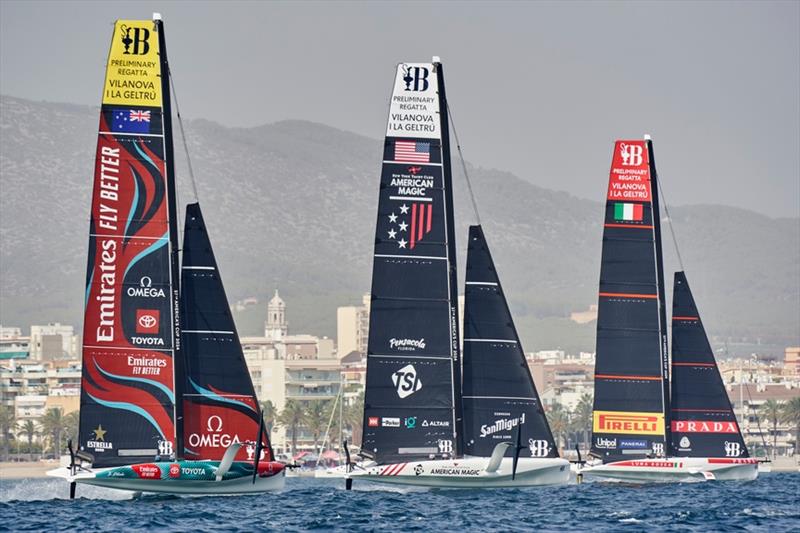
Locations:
column 133, row 74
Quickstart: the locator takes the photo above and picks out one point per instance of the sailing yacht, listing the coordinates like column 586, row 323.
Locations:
column 167, row 404
column 419, row 427
column 642, row 430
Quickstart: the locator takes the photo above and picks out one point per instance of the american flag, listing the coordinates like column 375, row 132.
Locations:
column 412, row 151
column 139, row 116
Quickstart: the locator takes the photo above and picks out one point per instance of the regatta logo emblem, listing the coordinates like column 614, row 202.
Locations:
column 631, row 154
column 418, row 470
column 733, row 449
column 503, row 424
column 416, row 79
column 604, row 443
column 406, row 381
column 165, row 447
column 685, row 442
column 137, row 38
column 538, row 448
column 628, row 423
column 445, row 446
column 146, row 290
column 147, row 321
column 658, row 448
column 406, row 344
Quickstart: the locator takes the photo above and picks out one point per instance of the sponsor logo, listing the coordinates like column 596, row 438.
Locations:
column 733, row 449
column 436, row 423
column 147, row 471
column 685, row 442
column 193, row 471
column 538, row 448
column 416, row 79
column 147, row 321
column 658, row 448
column 215, row 438
column 502, row 424
column 445, row 446
column 406, row 381
column 632, row 444
column 135, row 40
column 165, row 447
column 630, row 423
column 604, row 443
column 631, row 154
column 455, row 471
column 146, row 365
column 146, row 290
column 411, row 422
column 702, row 426
column 174, row 470
column 98, row 443
column 407, row 344
column 390, row 422
column 373, row 421
column 418, row 470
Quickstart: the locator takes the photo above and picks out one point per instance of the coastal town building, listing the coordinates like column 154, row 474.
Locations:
column 352, row 327
column 53, row 341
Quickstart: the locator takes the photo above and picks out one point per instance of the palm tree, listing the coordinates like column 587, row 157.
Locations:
column 291, row 417
column 270, row 415
column 315, row 418
column 71, row 423
column 790, row 414
column 7, row 421
column 53, row 424
column 28, row 429
column 772, row 411
column 582, row 417
column 354, row 418
column 558, row 418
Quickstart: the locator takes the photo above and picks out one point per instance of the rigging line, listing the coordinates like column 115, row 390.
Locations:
column 671, row 225
column 463, row 164
column 183, row 136
column 758, row 418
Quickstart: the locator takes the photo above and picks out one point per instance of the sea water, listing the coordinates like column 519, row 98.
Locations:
column 771, row 503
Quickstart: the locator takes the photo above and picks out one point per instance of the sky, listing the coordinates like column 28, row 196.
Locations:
column 540, row 89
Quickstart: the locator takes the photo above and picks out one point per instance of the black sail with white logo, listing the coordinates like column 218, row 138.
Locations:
column 500, row 397
column 703, row 421
column 412, row 401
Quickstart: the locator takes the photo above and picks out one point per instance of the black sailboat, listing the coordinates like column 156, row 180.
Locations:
column 500, row 398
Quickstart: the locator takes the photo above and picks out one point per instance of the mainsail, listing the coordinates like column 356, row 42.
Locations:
column 631, row 395
column 500, row 397
column 412, row 399
column 703, row 421
column 219, row 403
column 127, row 395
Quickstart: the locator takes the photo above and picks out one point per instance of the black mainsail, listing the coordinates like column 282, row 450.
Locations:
column 412, row 399
column 703, row 421
column 500, row 397
column 219, row 403
column 631, row 399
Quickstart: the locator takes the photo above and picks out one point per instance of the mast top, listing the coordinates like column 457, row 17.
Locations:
column 436, row 59
column 647, row 137
column 157, row 16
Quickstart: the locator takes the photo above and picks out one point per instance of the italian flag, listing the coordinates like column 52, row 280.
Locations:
column 628, row 211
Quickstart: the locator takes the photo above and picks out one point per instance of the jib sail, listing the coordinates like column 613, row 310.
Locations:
column 500, row 397
column 703, row 421
column 630, row 370
column 412, row 401
column 219, row 403
column 127, row 396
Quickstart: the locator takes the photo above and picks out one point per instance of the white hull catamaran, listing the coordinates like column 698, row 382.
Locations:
column 643, row 429
column 167, row 404
column 423, row 425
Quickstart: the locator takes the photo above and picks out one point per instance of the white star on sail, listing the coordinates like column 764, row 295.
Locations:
column 392, row 218
column 392, row 234
column 403, row 209
column 403, row 226
column 402, row 243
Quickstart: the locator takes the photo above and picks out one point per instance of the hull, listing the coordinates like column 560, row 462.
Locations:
column 468, row 473
column 180, row 477
column 673, row 470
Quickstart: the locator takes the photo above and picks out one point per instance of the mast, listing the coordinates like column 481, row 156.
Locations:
column 662, row 301
column 174, row 246
column 447, row 176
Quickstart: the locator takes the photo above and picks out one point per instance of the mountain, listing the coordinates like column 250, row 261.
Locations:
column 292, row 205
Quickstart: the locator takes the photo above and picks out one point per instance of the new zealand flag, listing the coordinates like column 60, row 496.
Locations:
column 130, row 121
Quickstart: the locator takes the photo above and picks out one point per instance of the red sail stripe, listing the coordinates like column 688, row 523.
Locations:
column 628, row 295
column 430, row 217
column 638, row 226
column 693, row 364
column 616, row 376
column 413, row 225
column 685, row 318
column 421, row 222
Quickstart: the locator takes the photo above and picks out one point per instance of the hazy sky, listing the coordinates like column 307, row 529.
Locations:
column 540, row 89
